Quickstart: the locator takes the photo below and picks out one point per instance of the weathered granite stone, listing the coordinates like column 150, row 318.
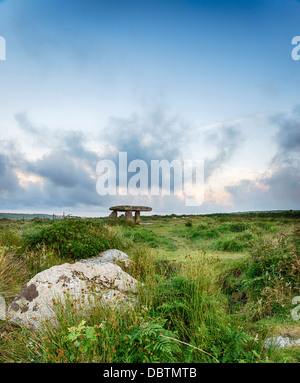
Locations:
column 137, row 217
column 113, row 215
column 128, row 215
column 82, row 282
column 130, row 208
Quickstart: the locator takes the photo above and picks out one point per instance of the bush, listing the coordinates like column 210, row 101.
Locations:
column 75, row 238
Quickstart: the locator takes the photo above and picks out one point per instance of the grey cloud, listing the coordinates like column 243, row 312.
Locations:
column 156, row 136
column 68, row 163
column 280, row 187
column 8, row 178
column 69, row 174
column 74, row 143
column 59, row 168
column 68, row 170
column 26, row 125
column 287, row 136
column 150, row 136
column 227, row 140
column 279, row 190
column 69, row 167
column 69, row 141
column 65, row 183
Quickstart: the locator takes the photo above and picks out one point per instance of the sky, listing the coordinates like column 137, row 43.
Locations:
column 206, row 80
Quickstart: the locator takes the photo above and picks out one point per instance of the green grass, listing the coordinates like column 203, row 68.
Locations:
column 213, row 289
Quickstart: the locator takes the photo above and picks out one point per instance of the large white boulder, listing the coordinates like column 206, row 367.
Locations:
column 80, row 282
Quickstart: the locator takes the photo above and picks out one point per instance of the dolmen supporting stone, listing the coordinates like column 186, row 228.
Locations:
column 128, row 212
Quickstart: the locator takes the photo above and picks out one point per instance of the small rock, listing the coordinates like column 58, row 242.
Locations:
column 111, row 255
column 280, row 342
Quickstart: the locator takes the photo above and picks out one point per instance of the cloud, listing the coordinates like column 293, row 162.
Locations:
column 8, row 178
column 275, row 191
column 26, row 125
column 152, row 135
column 65, row 175
column 226, row 140
column 75, row 144
column 287, row 136
column 60, row 169
column 148, row 136
column 157, row 136
column 279, row 188
column 55, row 180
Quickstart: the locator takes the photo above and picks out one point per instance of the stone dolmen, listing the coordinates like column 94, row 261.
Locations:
column 128, row 212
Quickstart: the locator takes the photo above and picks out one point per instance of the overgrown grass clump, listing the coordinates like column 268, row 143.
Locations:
column 273, row 275
column 149, row 238
column 269, row 278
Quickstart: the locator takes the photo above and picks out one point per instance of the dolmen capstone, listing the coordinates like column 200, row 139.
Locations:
column 128, row 209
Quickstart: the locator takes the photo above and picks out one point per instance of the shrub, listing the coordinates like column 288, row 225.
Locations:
column 75, row 238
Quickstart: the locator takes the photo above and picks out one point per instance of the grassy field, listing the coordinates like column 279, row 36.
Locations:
column 214, row 288
column 16, row 216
